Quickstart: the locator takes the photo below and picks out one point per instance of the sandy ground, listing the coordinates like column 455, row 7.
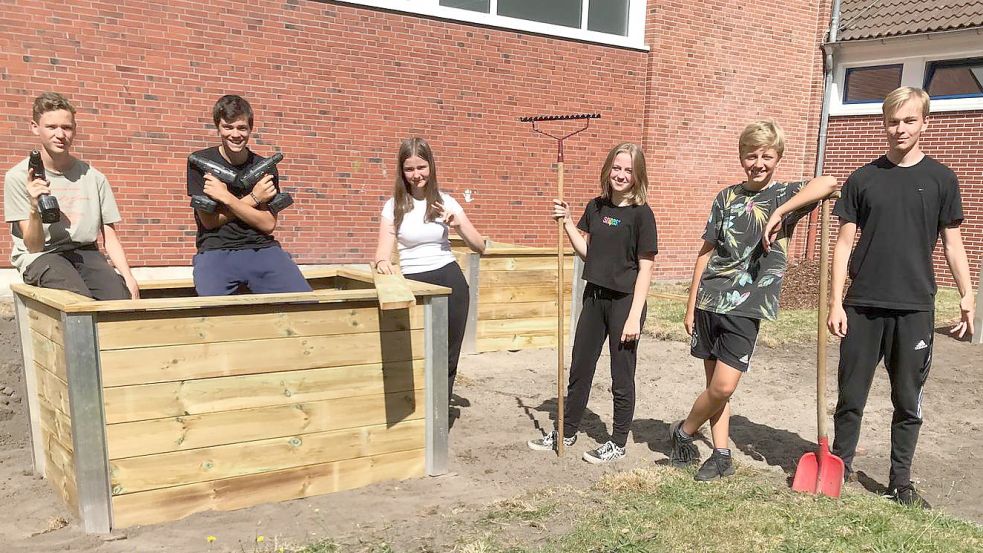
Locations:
column 508, row 399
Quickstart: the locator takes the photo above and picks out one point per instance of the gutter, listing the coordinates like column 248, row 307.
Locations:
column 827, row 47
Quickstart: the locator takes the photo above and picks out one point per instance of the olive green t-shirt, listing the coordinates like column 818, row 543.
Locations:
column 86, row 201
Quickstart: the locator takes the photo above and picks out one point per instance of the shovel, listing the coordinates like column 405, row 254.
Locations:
column 821, row 472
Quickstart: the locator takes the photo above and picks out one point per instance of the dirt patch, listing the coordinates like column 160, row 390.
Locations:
column 800, row 285
column 509, row 399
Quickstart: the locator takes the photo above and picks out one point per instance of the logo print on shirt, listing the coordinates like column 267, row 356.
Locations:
column 746, row 358
column 920, row 345
column 610, row 221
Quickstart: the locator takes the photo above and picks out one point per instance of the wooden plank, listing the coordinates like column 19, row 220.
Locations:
column 185, row 362
column 393, row 291
column 542, row 263
column 520, row 293
column 45, row 321
column 545, row 326
column 543, row 276
column 131, row 330
column 130, row 439
column 150, row 472
column 236, row 493
column 60, row 300
column 60, row 471
column 49, row 355
column 520, row 310
column 56, row 424
column 515, row 343
column 53, row 390
column 210, row 395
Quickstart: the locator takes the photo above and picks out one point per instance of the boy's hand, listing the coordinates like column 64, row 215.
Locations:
column 771, row 230
column 633, row 327
column 36, row 187
column 688, row 321
column 216, row 190
column 264, row 191
column 967, row 310
column 836, row 322
column 561, row 210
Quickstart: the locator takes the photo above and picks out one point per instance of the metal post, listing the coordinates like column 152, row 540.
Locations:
column 470, row 345
column 88, row 422
column 576, row 295
column 435, row 350
column 30, row 384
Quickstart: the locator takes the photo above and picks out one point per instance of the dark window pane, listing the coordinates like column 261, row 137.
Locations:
column 608, row 16
column 557, row 12
column 870, row 84
column 472, row 5
column 962, row 79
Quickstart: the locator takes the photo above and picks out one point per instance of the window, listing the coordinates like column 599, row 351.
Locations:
column 955, row 78
column 615, row 22
column 870, row 84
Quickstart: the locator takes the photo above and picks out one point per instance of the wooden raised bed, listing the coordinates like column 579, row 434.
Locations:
column 145, row 411
column 513, row 296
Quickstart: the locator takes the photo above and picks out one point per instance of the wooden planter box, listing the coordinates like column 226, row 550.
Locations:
column 149, row 410
column 513, row 296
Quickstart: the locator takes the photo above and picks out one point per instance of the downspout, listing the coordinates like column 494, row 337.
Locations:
column 834, row 26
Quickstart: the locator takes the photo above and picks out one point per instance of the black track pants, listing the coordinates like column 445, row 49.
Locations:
column 903, row 339
column 603, row 316
column 450, row 275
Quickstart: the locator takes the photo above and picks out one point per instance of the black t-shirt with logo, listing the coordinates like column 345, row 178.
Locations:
column 618, row 235
column 236, row 234
column 900, row 212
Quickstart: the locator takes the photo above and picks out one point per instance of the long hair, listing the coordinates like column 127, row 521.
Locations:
column 402, row 199
column 638, row 195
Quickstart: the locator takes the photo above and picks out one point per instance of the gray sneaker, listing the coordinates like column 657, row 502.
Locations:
column 548, row 442
column 684, row 452
column 717, row 466
column 604, row 454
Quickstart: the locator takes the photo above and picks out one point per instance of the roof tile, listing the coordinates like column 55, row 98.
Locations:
column 860, row 19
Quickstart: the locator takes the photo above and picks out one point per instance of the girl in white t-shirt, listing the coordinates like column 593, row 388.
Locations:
column 418, row 218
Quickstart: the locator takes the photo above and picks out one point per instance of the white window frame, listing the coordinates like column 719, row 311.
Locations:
column 634, row 40
column 914, row 54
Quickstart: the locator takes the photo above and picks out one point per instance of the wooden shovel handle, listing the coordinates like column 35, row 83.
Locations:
column 822, row 329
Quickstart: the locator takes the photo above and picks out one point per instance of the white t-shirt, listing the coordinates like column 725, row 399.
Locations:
column 423, row 246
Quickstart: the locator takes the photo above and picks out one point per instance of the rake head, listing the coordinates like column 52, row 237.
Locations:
column 567, row 117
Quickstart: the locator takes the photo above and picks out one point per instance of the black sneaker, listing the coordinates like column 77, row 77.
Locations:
column 684, row 452
column 548, row 442
column 717, row 466
column 604, row 454
column 908, row 496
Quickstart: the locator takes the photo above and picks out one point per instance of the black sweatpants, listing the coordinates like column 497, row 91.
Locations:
column 83, row 270
column 450, row 275
column 603, row 316
column 903, row 339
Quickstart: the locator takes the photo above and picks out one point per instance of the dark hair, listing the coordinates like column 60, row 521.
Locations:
column 231, row 107
column 402, row 199
column 50, row 101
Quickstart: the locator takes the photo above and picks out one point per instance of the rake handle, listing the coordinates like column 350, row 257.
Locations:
column 559, row 317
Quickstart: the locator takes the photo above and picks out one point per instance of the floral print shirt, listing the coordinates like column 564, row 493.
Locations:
column 740, row 278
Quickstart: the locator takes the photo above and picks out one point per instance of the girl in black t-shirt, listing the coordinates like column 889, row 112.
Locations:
column 618, row 246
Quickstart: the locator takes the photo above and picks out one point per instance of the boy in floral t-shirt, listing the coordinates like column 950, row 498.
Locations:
column 736, row 283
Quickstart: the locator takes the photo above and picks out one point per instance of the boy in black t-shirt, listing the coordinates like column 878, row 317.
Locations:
column 901, row 202
column 618, row 248
column 235, row 243
column 736, row 283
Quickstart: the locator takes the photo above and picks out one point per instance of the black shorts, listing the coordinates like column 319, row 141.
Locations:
column 728, row 338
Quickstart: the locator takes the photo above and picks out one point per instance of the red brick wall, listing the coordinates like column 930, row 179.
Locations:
column 337, row 86
column 952, row 138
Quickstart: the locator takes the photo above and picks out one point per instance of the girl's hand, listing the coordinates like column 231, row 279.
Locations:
column 688, row 321
column 633, row 328
column 383, row 267
column 447, row 218
column 561, row 210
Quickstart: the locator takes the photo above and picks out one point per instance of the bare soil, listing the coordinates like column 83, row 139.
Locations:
column 509, row 398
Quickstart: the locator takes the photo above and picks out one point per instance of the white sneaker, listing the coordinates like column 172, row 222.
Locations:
column 604, row 454
column 548, row 442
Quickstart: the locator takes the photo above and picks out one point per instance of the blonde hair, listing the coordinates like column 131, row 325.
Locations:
column 638, row 195
column 897, row 97
column 763, row 133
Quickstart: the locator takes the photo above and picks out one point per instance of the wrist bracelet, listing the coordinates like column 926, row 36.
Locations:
column 255, row 199
column 377, row 261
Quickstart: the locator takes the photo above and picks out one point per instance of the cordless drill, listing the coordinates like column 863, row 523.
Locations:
column 239, row 183
column 47, row 204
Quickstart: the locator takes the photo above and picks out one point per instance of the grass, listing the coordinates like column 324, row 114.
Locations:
column 664, row 510
column 667, row 307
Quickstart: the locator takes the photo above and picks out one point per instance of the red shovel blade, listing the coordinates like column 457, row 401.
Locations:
column 820, row 472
